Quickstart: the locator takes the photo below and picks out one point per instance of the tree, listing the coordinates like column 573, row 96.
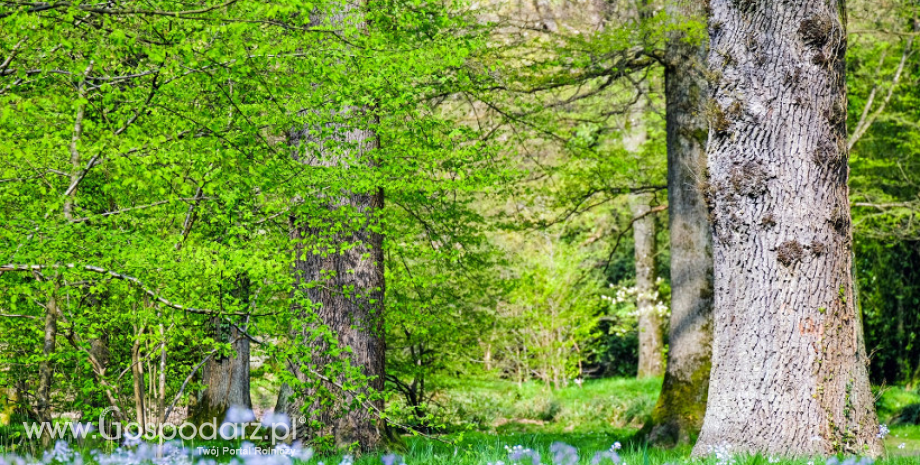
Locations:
column 226, row 376
column 678, row 415
column 339, row 270
column 789, row 370
column 651, row 339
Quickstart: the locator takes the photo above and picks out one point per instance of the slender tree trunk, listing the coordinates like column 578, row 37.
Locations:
column 651, row 342
column 161, row 389
column 45, row 370
column 678, row 416
column 137, row 372
column 789, row 372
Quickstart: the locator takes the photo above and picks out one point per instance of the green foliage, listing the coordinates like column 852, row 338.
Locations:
column 147, row 160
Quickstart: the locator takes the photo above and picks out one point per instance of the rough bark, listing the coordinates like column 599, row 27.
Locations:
column 226, row 377
column 651, row 342
column 45, row 369
column 678, row 415
column 347, row 288
column 789, row 370
column 339, row 270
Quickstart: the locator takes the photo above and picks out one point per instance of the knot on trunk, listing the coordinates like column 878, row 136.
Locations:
column 748, row 179
column 815, row 31
column 789, row 252
column 768, row 221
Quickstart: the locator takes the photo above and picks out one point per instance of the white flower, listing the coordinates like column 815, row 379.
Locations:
column 902, row 445
column 882, row 431
column 238, row 414
column 274, row 420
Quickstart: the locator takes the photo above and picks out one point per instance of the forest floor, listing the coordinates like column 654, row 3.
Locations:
column 487, row 418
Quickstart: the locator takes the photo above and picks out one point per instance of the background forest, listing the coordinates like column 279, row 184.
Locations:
column 193, row 194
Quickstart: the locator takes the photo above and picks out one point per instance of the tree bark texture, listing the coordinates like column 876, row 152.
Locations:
column 651, row 342
column 45, row 368
column 339, row 270
column 226, row 377
column 789, row 372
column 678, row 415
column 347, row 289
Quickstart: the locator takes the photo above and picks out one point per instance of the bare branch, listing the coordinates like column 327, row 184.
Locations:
column 41, row 6
column 866, row 120
column 622, row 233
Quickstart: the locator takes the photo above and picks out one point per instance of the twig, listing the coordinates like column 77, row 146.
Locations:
column 131, row 279
column 629, row 226
column 865, row 122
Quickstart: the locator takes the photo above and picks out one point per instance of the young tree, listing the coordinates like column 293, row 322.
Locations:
column 789, row 364
column 678, row 415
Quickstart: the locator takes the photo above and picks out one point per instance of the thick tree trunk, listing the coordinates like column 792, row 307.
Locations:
column 226, row 377
column 227, row 380
column 651, row 342
column 789, row 370
column 678, row 416
column 339, row 271
column 347, row 287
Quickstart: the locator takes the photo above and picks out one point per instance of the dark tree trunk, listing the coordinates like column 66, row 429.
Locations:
column 226, row 377
column 651, row 341
column 789, row 370
column 339, row 270
column 678, row 416
column 347, row 288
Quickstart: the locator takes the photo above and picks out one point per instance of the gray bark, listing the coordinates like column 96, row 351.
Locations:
column 45, row 369
column 678, row 415
column 346, row 287
column 226, row 377
column 789, row 370
column 227, row 380
column 651, row 342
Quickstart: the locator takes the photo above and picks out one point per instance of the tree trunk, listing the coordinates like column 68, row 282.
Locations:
column 651, row 343
column 339, row 270
column 137, row 373
column 789, row 370
column 678, row 416
column 45, row 369
column 226, row 377
column 347, row 287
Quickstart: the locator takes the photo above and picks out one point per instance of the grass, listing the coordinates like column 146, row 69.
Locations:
column 488, row 416
column 609, row 406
